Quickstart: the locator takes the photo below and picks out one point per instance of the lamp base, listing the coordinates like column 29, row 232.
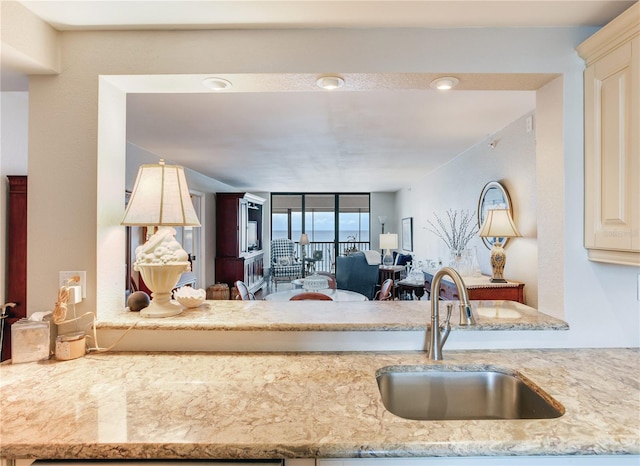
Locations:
column 160, row 309
column 387, row 260
column 498, row 259
column 161, row 278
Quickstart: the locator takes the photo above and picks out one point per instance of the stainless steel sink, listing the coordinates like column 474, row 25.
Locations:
column 463, row 392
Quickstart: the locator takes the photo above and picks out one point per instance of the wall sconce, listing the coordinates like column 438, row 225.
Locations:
column 388, row 241
column 498, row 225
column 160, row 198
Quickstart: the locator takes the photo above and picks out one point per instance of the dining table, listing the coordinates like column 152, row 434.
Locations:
column 336, row 295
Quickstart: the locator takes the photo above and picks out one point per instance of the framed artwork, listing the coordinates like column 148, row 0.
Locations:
column 407, row 234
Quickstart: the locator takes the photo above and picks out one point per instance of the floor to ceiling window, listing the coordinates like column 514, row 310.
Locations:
column 335, row 224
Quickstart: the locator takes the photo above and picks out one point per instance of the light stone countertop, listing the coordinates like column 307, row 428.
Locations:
column 259, row 315
column 275, row 405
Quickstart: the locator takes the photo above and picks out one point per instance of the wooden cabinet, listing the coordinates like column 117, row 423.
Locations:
column 612, row 140
column 479, row 288
column 239, row 254
column 249, row 269
column 16, row 257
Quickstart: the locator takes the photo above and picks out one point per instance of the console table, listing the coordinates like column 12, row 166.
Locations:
column 394, row 272
column 479, row 288
column 390, row 271
column 411, row 287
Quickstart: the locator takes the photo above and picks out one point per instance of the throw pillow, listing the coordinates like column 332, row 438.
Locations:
column 402, row 259
column 284, row 261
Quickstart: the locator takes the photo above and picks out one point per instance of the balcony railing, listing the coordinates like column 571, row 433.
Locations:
column 329, row 252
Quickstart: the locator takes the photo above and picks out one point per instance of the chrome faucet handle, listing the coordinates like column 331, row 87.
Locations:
column 449, row 311
column 438, row 334
column 446, row 326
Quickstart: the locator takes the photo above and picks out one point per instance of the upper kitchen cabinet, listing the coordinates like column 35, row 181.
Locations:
column 612, row 140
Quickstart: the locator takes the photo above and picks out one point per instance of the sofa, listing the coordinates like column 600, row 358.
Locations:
column 354, row 273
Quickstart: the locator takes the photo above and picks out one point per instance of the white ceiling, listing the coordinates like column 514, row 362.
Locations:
column 314, row 140
column 204, row 14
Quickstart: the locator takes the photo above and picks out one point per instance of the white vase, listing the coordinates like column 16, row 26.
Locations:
column 462, row 262
column 455, row 259
column 474, row 264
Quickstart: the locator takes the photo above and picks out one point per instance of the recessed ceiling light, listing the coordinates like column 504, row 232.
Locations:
column 444, row 84
column 330, row 82
column 216, row 84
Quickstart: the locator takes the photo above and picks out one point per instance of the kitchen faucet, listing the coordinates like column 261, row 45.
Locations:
column 439, row 334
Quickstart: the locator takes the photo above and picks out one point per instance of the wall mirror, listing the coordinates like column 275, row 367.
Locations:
column 493, row 196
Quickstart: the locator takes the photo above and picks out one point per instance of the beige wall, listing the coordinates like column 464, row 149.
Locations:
column 531, row 167
column 550, row 201
column 13, row 159
column 458, row 185
column 29, row 44
column 162, row 54
column 72, row 170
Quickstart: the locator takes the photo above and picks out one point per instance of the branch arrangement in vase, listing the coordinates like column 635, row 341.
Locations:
column 459, row 230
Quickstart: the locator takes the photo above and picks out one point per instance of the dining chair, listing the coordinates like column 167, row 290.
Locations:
column 310, row 295
column 386, row 291
column 243, row 291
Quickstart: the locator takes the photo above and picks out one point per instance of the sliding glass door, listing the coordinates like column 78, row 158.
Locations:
column 336, row 224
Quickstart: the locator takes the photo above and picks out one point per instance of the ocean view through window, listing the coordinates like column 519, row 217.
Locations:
column 335, row 223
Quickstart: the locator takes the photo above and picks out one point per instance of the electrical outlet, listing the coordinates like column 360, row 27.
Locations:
column 74, row 277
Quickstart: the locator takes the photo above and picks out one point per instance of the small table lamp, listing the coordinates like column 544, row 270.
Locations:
column 160, row 198
column 388, row 241
column 498, row 224
column 304, row 241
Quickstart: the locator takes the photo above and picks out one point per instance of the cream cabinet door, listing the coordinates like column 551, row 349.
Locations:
column 612, row 153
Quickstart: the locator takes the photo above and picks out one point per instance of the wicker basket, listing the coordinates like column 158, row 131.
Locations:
column 218, row 291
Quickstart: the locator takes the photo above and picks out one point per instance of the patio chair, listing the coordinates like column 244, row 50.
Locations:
column 311, row 261
column 284, row 265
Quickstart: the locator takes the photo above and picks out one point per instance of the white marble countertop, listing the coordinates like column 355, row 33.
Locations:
column 307, row 316
column 257, row 405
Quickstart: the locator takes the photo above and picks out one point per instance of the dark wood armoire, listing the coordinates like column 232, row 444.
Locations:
column 239, row 248
column 16, row 287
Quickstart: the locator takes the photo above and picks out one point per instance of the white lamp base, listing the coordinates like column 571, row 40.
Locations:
column 161, row 279
column 155, row 309
column 387, row 260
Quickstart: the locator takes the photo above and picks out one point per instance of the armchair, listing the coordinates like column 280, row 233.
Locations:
column 284, row 265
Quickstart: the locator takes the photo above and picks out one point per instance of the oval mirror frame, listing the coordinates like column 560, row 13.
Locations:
column 493, row 196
